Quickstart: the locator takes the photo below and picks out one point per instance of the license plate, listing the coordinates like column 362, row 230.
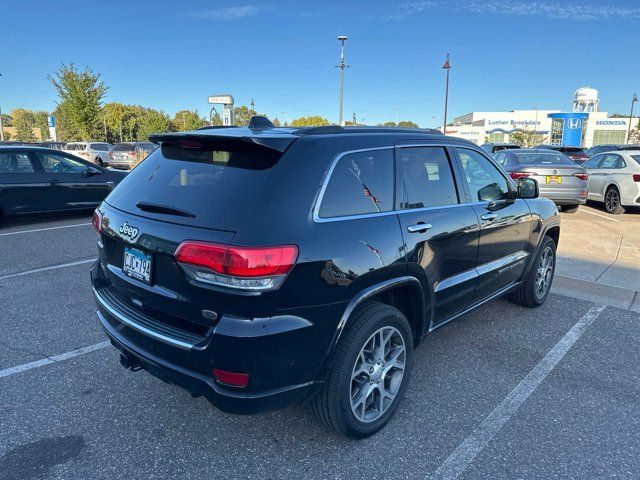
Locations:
column 137, row 264
column 554, row 179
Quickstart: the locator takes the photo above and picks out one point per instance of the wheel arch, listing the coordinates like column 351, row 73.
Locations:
column 405, row 293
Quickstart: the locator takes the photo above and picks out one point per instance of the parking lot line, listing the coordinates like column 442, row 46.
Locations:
column 467, row 451
column 44, row 269
column 7, row 372
column 44, row 229
column 600, row 215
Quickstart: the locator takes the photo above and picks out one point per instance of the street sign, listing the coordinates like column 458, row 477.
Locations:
column 224, row 99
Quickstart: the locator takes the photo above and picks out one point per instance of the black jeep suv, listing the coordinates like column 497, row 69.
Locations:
column 262, row 267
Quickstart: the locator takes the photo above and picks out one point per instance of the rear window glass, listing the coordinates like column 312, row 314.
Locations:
column 123, row 147
column 636, row 158
column 15, row 162
column 540, row 158
column 216, row 188
column 360, row 183
column 571, row 150
column 76, row 146
column 427, row 179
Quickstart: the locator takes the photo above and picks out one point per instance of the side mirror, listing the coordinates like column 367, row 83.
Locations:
column 528, row 188
column 90, row 172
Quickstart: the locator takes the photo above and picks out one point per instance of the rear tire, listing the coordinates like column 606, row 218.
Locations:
column 612, row 201
column 370, row 373
column 570, row 208
column 99, row 162
column 534, row 290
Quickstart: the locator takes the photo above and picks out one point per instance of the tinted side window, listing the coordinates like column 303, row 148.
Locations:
column 427, row 179
column 612, row 160
column 485, row 181
column 56, row 163
column 593, row 162
column 360, row 183
column 15, row 162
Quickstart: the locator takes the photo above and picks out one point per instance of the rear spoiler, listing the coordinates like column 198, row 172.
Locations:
column 225, row 137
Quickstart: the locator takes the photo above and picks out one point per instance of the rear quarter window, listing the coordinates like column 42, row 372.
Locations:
column 360, row 183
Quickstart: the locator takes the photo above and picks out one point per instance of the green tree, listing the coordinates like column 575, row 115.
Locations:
column 42, row 123
column 153, row 121
column 6, row 120
column 185, row 120
column 25, row 122
column 408, row 124
column 242, row 114
column 389, row 124
column 276, row 122
column 7, row 135
column 312, row 121
column 80, row 96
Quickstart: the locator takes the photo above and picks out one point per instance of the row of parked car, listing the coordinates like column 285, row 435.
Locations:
column 123, row 156
column 608, row 174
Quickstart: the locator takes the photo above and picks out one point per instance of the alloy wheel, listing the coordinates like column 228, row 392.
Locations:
column 377, row 374
column 612, row 199
column 544, row 273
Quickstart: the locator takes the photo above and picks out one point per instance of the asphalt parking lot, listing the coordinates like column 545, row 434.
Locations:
column 504, row 392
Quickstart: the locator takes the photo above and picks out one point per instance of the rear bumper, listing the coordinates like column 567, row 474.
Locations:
column 283, row 355
column 565, row 197
column 199, row 385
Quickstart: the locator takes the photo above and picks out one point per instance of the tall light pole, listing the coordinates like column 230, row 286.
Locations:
column 633, row 100
column 341, row 66
column 447, row 67
column 1, row 127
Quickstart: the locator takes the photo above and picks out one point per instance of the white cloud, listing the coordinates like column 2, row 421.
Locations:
column 229, row 13
column 558, row 11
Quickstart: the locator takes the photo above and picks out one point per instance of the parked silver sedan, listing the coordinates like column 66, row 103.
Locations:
column 614, row 179
column 559, row 178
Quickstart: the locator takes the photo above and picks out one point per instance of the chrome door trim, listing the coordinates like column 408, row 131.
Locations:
column 480, row 270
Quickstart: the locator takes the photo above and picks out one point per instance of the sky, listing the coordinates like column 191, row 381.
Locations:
column 505, row 55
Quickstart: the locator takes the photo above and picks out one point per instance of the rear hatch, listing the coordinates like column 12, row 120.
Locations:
column 576, row 154
column 185, row 190
column 553, row 171
column 123, row 152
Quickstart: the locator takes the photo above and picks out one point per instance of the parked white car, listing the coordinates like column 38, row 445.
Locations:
column 614, row 179
column 96, row 152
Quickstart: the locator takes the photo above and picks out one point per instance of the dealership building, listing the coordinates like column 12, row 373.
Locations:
column 585, row 126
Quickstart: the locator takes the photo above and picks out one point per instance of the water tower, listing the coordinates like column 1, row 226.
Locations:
column 585, row 99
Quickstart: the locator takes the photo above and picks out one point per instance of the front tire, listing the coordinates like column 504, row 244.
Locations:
column 612, row 201
column 535, row 288
column 370, row 373
column 99, row 162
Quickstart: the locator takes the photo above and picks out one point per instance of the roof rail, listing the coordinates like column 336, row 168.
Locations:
column 335, row 129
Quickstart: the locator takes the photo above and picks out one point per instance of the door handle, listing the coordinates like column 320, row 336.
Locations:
column 489, row 216
column 419, row 227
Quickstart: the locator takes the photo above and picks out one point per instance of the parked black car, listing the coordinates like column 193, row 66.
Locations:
column 577, row 154
column 262, row 267
column 34, row 179
column 497, row 147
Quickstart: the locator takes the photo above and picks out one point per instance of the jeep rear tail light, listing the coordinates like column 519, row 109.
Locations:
column 97, row 221
column 636, row 177
column 244, row 268
column 581, row 176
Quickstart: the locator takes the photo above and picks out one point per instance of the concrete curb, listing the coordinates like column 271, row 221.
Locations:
column 596, row 292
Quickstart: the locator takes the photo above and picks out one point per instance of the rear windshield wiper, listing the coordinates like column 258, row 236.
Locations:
column 156, row 208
